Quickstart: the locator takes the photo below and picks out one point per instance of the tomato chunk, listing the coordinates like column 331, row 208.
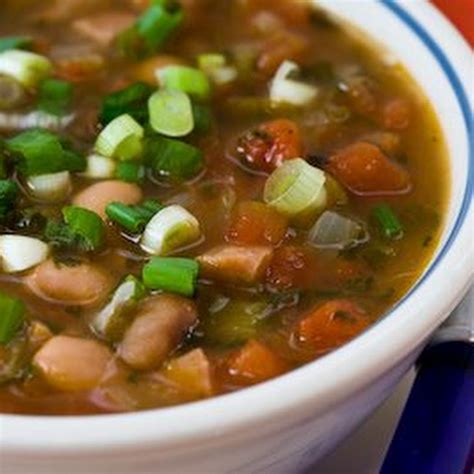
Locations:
column 255, row 363
column 365, row 170
column 255, row 223
column 396, row 114
column 332, row 324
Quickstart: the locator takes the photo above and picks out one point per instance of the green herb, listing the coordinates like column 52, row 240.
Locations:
column 87, row 225
column 388, row 222
column 12, row 314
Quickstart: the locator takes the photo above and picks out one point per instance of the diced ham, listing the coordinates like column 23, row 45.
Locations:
column 233, row 264
column 103, row 27
column 160, row 324
column 71, row 363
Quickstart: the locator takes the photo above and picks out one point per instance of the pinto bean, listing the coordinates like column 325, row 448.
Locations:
column 82, row 284
column 236, row 264
column 97, row 196
column 158, row 328
column 71, row 363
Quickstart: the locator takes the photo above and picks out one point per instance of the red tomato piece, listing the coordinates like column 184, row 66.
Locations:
column 267, row 146
column 255, row 223
column 396, row 114
column 365, row 170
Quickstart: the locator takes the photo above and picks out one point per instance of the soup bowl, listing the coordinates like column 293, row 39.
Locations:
column 291, row 421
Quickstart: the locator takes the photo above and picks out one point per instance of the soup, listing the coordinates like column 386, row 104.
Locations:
column 199, row 196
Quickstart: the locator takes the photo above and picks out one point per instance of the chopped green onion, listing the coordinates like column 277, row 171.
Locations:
column 100, row 167
column 186, row 79
column 15, row 42
column 173, row 159
column 126, row 216
column 8, row 194
column 131, row 100
column 12, row 315
column 50, row 187
column 176, row 275
column 19, row 253
column 210, row 61
column 152, row 206
column 130, row 172
column 12, row 93
column 202, row 118
column 214, row 66
column 121, row 139
column 27, row 68
column 110, row 322
column 296, row 188
column 171, row 113
column 87, row 224
column 388, row 221
column 171, row 228
column 151, row 30
column 55, row 96
column 41, row 152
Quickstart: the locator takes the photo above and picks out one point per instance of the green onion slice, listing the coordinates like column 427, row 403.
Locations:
column 130, row 171
column 388, row 221
column 127, row 217
column 15, row 42
column 87, row 224
column 12, row 315
column 121, row 139
column 27, row 68
column 176, row 275
column 296, row 188
column 55, row 96
column 186, row 79
column 171, row 113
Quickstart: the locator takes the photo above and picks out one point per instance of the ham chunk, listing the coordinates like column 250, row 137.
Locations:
column 71, row 363
column 103, row 27
column 233, row 264
column 161, row 323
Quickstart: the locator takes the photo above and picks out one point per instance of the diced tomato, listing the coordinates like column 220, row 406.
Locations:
column 255, row 363
column 396, row 114
column 332, row 324
column 362, row 96
column 255, row 223
column 267, row 146
column 365, row 170
column 281, row 47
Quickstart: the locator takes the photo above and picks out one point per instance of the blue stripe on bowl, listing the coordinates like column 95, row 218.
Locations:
column 467, row 112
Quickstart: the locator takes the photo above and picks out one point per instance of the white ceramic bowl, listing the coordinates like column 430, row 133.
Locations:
column 282, row 425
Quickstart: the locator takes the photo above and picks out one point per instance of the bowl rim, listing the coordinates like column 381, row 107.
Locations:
column 236, row 412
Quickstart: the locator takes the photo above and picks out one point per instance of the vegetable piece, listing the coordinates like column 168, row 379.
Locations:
column 173, row 159
column 284, row 89
column 27, row 68
column 296, row 189
column 55, row 96
column 72, row 363
column 146, row 70
column 130, row 172
column 216, row 68
column 151, row 30
column 131, row 100
column 202, row 117
column 19, row 253
column 171, row 113
column 36, row 119
column 52, row 187
column 121, row 139
column 15, row 42
column 366, row 171
column 40, row 152
column 8, row 195
column 12, row 93
column 332, row 324
column 185, row 79
column 396, row 114
column 334, row 231
column 192, row 373
column 82, row 284
column 160, row 324
column 87, row 224
column 12, row 314
column 126, row 216
column 169, row 229
column 254, row 223
column 255, row 363
column 233, row 264
column 388, row 221
column 108, row 323
column 174, row 275
column 97, row 196
column 100, row 167
column 234, row 322
column 270, row 144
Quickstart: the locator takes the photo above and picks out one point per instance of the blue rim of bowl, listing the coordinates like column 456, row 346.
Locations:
column 464, row 103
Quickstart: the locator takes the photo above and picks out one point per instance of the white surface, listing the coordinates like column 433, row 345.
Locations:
column 279, row 426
